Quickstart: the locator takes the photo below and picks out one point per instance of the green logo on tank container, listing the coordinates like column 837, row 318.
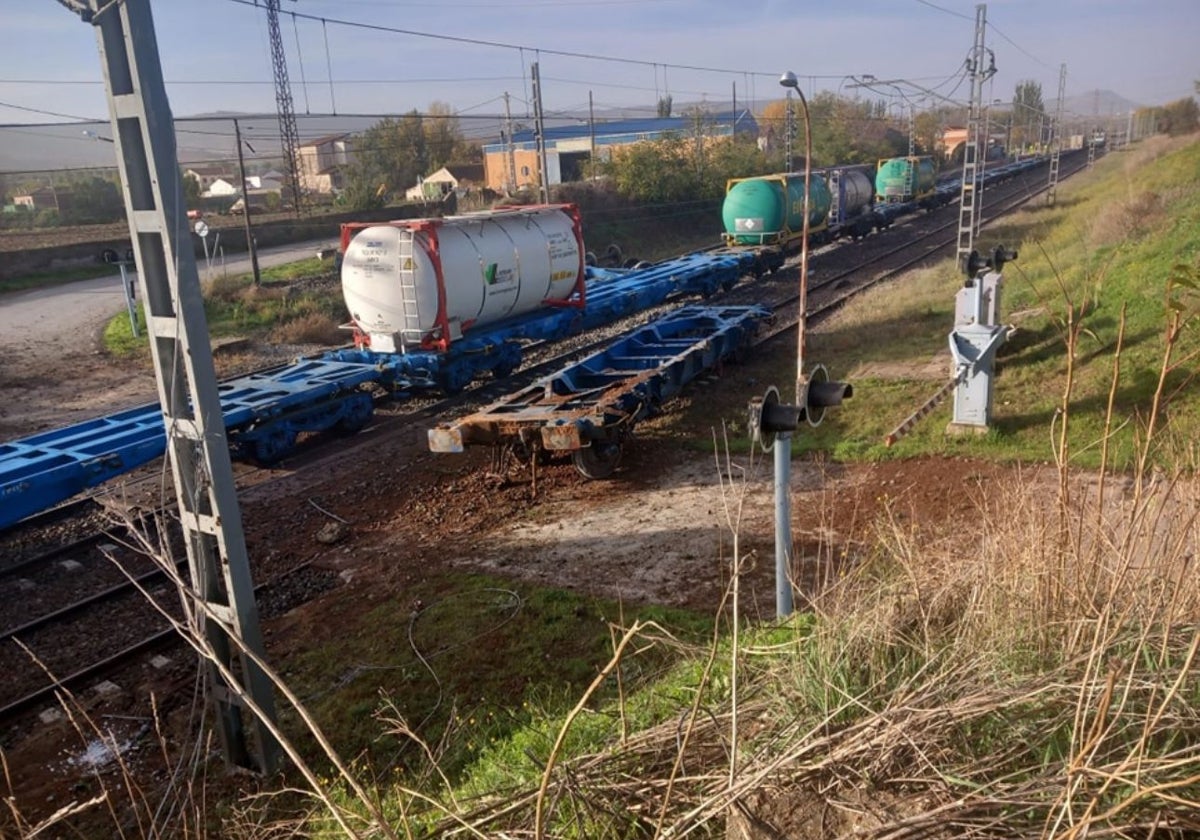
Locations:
column 489, row 274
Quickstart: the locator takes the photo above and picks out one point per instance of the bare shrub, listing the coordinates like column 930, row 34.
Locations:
column 225, row 288
column 252, row 294
column 1129, row 219
column 312, row 328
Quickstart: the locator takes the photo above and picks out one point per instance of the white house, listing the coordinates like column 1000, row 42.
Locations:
column 457, row 178
column 222, row 187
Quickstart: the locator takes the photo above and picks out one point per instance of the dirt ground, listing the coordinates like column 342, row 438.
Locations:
column 660, row 532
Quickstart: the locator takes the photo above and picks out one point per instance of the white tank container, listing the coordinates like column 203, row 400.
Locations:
column 424, row 282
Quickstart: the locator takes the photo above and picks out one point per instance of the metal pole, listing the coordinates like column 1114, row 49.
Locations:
column 250, row 246
column 1056, row 136
column 512, row 156
column 803, row 306
column 539, row 121
column 783, row 442
column 592, row 134
column 787, row 166
column 783, row 525
column 207, row 258
column 969, row 202
column 208, row 512
column 130, row 304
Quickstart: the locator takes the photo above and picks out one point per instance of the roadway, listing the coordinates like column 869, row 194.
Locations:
column 36, row 321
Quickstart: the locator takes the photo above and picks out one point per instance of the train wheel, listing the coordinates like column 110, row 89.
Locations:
column 273, row 446
column 510, row 360
column 597, row 461
column 453, row 380
column 358, row 412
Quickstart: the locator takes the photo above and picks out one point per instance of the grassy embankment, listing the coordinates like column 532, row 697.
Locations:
column 1096, row 270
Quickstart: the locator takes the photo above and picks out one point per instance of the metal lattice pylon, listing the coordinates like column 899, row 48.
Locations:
column 970, row 202
column 220, row 593
column 1056, row 135
column 289, row 135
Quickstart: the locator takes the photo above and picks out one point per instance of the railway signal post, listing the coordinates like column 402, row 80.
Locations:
column 976, row 338
column 772, row 423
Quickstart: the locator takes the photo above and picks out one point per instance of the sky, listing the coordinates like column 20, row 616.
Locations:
column 216, row 54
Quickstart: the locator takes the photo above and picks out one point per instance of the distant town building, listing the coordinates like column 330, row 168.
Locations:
column 221, row 187
column 261, row 183
column 321, row 163
column 42, row 198
column 568, row 148
column 206, row 174
column 456, row 178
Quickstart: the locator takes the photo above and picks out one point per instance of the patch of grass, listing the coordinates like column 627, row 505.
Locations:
column 280, row 310
column 301, row 269
column 119, row 339
column 466, row 662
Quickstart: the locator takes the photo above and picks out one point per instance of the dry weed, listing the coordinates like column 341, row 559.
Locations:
column 311, row 328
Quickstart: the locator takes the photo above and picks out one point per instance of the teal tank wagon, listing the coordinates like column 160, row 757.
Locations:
column 769, row 209
column 903, row 179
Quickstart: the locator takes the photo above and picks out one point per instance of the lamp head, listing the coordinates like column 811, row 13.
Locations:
column 789, row 80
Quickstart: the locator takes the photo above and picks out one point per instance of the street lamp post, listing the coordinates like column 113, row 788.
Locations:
column 789, row 81
column 783, row 440
column 789, row 131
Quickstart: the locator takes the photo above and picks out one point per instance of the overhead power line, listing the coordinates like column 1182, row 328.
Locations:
column 483, row 42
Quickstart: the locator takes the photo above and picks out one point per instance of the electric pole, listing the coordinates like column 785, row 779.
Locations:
column 1056, row 135
column 221, row 597
column 592, row 134
column 250, row 246
column 509, row 152
column 540, row 125
column 289, row 135
column 971, row 201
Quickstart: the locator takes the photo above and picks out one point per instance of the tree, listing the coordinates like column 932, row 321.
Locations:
column 1028, row 114
column 664, row 106
column 389, row 157
column 1179, row 117
column 443, row 137
column 93, row 201
column 393, row 154
column 656, row 171
column 844, row 131
column 191, row 190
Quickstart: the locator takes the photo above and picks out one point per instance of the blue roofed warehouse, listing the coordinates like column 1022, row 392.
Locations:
column 512, row 166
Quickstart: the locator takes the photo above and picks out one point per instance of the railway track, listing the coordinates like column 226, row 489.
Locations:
column 94, row 577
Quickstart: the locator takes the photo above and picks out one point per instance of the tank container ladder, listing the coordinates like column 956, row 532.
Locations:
column 410, row 332
column 835, row 192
